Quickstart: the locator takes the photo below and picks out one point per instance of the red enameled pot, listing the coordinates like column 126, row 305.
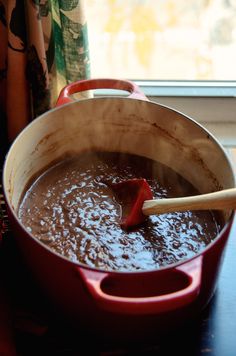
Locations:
column 120, row 303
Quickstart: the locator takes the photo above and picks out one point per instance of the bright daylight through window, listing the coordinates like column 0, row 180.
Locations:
column 163, row 39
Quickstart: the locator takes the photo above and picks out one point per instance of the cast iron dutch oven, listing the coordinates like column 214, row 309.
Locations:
column 120, row 303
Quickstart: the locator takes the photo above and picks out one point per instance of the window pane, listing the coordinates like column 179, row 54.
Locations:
column 163, row 39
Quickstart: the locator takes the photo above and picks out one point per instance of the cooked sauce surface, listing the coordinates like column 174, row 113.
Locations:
column 72, row 209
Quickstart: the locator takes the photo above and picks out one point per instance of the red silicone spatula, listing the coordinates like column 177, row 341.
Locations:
column 137, row 201
column 131, row 195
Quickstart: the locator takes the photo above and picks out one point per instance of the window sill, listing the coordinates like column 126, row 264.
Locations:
column 202, row 109
column 180, row 88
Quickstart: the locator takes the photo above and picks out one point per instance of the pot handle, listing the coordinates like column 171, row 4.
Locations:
column 93, row 281
column 102, row 83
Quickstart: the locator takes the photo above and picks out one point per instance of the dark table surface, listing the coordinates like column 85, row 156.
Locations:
column 34, row 333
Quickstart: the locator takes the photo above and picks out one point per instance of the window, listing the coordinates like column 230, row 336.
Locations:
column 181, row 53
column 163, row 39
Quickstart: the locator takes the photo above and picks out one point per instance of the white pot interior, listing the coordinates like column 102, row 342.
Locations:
column 117, row 124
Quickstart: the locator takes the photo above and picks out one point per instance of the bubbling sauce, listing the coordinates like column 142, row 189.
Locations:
column 71, row 209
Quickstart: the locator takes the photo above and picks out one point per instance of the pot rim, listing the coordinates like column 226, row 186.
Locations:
column 118, row 272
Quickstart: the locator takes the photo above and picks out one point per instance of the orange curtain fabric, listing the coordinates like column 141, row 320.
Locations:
column 43, row 47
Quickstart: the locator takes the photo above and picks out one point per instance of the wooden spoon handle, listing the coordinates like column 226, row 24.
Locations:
column 223, row 199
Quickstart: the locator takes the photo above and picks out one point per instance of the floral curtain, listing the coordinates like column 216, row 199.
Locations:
column 43, row 47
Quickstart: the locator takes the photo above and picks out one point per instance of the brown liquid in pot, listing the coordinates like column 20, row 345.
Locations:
column 71, row 209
